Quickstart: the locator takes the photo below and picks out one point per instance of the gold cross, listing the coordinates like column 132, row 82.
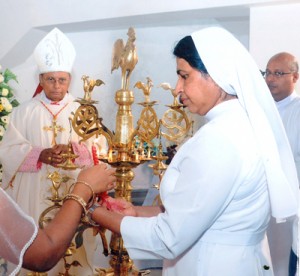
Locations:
column 55, row 129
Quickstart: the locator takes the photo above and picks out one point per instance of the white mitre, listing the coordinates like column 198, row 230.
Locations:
column 54, row 53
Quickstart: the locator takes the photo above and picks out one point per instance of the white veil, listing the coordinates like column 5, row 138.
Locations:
column 17, row 231
column 231, row 66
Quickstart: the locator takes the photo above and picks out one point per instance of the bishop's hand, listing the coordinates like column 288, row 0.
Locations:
column 54, row 156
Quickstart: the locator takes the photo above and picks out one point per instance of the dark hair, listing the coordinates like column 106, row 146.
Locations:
column 186, row 49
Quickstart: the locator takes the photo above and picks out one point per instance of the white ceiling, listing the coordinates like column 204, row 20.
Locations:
column 26, row 21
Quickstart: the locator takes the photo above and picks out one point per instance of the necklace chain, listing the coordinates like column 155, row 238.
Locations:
column 53, row 115
column 54, row 127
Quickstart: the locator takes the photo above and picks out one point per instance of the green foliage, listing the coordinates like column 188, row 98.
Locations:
column 7, row 99
column 7, row 102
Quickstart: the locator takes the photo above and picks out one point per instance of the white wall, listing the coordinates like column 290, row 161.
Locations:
column 274, row 29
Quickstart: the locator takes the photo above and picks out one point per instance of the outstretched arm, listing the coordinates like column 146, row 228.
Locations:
column 57, row 235
column 112, row 220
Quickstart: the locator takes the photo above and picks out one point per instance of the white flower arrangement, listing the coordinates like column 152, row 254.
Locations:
column 7, row 99
column 7, row 102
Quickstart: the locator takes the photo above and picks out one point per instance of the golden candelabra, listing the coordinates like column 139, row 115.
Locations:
column 124, row 153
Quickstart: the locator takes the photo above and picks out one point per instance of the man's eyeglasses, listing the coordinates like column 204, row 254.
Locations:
column 276, row 74
column 52, row 80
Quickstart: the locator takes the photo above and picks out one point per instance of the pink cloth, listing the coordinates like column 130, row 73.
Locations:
column 31, row 163
column 84, row 156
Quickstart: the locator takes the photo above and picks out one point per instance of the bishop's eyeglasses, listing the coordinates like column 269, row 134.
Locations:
column 61, row 81
column 276, row 74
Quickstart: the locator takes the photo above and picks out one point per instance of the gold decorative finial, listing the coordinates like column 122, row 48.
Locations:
column 125, row 57
column 167, row 86
column 146, row 88
column 88, row 86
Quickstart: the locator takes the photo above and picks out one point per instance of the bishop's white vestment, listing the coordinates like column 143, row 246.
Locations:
column 29, row 132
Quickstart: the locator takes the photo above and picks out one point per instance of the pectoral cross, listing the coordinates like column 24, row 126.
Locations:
column 55, row 129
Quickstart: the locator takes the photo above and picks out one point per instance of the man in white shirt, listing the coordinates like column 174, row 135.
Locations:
column 281, row 76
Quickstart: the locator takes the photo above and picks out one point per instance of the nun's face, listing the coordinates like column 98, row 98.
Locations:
column 197, row 92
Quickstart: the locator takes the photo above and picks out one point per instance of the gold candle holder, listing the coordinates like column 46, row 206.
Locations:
column 123, row 153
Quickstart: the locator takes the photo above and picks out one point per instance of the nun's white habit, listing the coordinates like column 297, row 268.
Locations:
column 224, row 183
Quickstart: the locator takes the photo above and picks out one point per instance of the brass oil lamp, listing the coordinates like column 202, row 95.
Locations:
column 123, row 152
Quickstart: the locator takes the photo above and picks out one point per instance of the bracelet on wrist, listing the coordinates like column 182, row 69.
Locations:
column 79, row 200
column 93, row 198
